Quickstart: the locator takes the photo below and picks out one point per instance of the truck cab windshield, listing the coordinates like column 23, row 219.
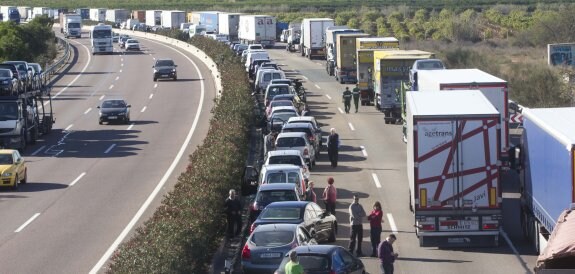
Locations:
column 102, row 34
column 74, row 25
column 8, row 111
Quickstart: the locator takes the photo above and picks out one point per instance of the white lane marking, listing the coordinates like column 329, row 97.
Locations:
column 27, row 222
column 328, row 97
column 340, row 110
column 38, row 150
column 122, row 64
column 319, row 64
column 303, row 76
column 131, row 126
column 121, row 59
column 77, row 179
column 120, row 70
column 88, row 110
column 153, row 57
column 517, row 255
column 111, row 87
column 376, row 180
column 156, row 85
column 351, row 126
column 117, row 77
column 77, row 76
column 143, row 109
column 392, row 223
column 109, row 149
column 164, row 179
column 363, row 151
column 317, row 86
column 101, row 97
column 151, row 95
column 68, row 127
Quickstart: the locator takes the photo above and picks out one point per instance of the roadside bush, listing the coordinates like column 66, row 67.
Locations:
column 32, row 42
column 185, row 231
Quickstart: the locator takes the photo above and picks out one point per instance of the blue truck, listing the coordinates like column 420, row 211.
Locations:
column 546, row 164
column 210, row 20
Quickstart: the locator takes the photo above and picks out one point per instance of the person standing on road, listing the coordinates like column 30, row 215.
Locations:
column 330, row 196
column 310, row 193
column 347, row 99
column 269, row 142
column 233, row 214
column 375, row 219
column 293, row 266
column 386, row 255
column 333, row 147
column 356, row 214
column 355, row 93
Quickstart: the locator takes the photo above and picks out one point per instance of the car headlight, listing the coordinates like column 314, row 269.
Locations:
column 7, row 174
column 174, row 70
column 155, row 71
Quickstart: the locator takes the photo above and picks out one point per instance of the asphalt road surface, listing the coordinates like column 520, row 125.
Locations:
column 89, row 183
column 373, row 164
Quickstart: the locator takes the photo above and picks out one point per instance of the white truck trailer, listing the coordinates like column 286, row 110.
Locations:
column 257, row 29
column 313, row 37
column 229, row 24
column 172, row 19
column 153, row 18
column 452, row 167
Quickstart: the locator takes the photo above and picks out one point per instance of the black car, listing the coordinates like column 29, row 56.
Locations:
column 321, row 225
column 8, row 83
column 114, row 110
column 165, row 68
column 324, row 259
column 269, row 193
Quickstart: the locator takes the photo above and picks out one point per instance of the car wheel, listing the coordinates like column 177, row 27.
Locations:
column 16, row 182
column 127, row 120
column 100, row 122
column 332, row 233
column 155, row 79
column 25, row 179
column 175, row 78
column 309, row 166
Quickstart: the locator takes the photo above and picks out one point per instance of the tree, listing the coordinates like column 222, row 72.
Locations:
column 353, row 23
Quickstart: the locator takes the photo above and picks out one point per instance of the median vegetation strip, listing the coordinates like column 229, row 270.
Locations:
column 185, row 231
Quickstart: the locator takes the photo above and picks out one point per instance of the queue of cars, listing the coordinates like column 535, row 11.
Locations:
column 20, row 76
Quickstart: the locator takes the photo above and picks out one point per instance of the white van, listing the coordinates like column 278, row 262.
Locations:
column 254, row 56
column 264, row 77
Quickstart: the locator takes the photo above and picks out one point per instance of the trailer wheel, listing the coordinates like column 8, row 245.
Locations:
column 34, row 135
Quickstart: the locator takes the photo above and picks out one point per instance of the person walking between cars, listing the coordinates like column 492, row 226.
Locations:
column 386, row 255
column 329, row 196
column 375, row 220
column 333, row 147
column 355, row 94
column 293, row 266
column 269, row 142
column 233, row 214
column 356, row 214
column 309, row 193
column 347, row 99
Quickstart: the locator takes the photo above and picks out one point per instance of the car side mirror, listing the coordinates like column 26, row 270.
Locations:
column 153, row 66
column 129, row 106
column 98, row 106
column 175, row 66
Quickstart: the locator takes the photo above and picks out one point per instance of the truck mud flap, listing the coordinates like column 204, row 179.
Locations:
column 459, row 241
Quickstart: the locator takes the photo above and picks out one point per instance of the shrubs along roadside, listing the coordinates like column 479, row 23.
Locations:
column 186, row 230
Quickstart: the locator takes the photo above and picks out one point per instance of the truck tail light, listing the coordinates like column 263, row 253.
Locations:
column 491, row 226
column 427, row 227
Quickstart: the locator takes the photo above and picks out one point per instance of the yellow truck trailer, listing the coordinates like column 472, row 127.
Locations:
column 345, row 67
column 364, row 62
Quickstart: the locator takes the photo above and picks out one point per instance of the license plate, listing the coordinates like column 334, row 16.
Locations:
column 455, row 225
column 164, row 75
column 112, row 117
column 270, row 255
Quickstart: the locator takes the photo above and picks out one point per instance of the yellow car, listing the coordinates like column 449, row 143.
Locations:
column 12, row 168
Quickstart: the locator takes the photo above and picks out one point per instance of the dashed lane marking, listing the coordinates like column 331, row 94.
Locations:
column 88, row 110
column 363, row 151
column 101, row 97
column 376, row 180
column 131, row 126
column 27, row 222
column 68, row 127
column 110, row 149
column 38, row 150
column 340, row 110
column 392, row 223
column 143, row 109
column 328, row 97
column 151, row 95
column 77, row 179
column 351, row 127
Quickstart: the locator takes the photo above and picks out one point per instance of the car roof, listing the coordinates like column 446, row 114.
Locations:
column 298, row 125
column 281, row 167
column 284, row 107
column 301, row 118
column 315, row 249
column 277, row 85
column 298, row 204
column 275, row 227
column 164, row 59
column 284, row 152
column 278, row 186
column 291, row 134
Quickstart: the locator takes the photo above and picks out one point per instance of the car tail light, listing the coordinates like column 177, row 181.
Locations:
column 246, row 253
column 252, row 228
column 332, row 272
column 305, row 152
column 490, row 226
column 254, row 207
column 427, row 227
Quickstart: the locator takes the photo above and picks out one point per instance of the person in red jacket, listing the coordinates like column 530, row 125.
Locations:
column 375, row 219
column 329, row 196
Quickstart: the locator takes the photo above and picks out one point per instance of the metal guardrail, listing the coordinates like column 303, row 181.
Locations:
column 55, row 68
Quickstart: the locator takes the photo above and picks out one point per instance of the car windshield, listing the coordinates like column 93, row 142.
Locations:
column 281, row 213
column 285, row 159
column 74, row 25
column 283, row 116
column 132, row 41
column 256, row 47
column 290, row 142
column 273, row 91
column 6, row 159
column 313, row 262
column 268, row 197
column 283, row 103
column 272, row 238
column 165, row 63
column 429, row 65
column 297, row 129
column 283, row 177
column 114, row 104
column 283, row 97
column 36, row 67
column 4, row 73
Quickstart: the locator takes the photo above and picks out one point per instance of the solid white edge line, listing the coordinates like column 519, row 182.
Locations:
column 351, row 127
column 317, row 86
column 376, row 180
column 151, row 95
column 143, row 109
column 131, row 126
column 38, row 151
column 88, row 110
column 77, row 76
column 109, row 149
column 68, row 127
column 340, row 110
column 517, row 255
column 363, row 151
column 101, row 97
column 392, row 223
column 328, row 97
column 27, row 222
column 77, row 179
column 164, row 179
column 303, row 76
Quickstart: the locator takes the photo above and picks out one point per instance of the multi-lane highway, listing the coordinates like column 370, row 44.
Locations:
column 373, row 164
column 88, row 184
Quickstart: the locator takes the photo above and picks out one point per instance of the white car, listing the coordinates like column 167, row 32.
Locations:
column 287, row 157
column 297, row 141
column 283, row 109
column 132, row 44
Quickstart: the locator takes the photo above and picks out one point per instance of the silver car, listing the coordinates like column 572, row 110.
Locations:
column 298, row 141
column 267, row 245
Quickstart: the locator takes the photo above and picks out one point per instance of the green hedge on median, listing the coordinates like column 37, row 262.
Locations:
column 186, row 230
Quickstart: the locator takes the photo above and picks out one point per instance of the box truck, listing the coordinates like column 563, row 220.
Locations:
column 173, row 18
column 364, row 58
column 10, row 13
column 210, row 20
column 117, row 15
column 71, row 25
column 257, row 29
column 559, row 255
column 313, row 37
column 98, row 15
column 153, row 18
column 140, row 15
column 345, row 64
column 228, row 24
column 452, row 167
column 331, row 44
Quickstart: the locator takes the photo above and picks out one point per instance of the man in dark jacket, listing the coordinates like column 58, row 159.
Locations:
column 233, row 214
column 386, row 255
column 333, row 147
column 347, row 99
column 355, row 93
